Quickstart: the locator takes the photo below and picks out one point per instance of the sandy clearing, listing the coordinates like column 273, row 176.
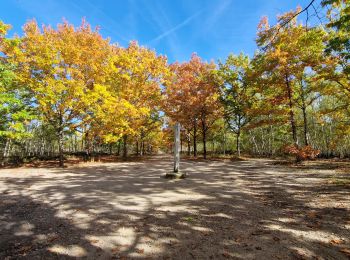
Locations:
column 249, row 209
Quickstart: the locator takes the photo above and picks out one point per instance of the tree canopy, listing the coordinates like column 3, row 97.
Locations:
column 69, row 90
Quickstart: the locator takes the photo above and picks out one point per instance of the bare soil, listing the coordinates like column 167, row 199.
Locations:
column 247, row 209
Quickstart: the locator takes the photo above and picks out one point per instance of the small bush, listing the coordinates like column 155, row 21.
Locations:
column 302, row 153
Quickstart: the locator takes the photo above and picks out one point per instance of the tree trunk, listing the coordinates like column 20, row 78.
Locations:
column 137, row 148
column 181, row 145
column 87, row 146
column 195, row 139
column 75, row 143
column 7, row 148
column 204, row 135
column 60, row 146
column 118, row 147
column 291, row 112
column 110, row 148
column 224, row 141
column 143, row 149
column 213, row 147
column 305, row 126
column 125, row 146
column 188, row 144
column 238, row 143
column 205, row 144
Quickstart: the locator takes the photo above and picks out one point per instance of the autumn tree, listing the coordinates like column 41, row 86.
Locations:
column 64, row 69
column 134, row 86
column 177, row 101
column 287, row 53
column 192, row 97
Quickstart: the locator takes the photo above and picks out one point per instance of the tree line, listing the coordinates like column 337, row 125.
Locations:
column 68, row 90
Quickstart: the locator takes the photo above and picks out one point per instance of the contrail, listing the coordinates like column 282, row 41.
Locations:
column 175, row 28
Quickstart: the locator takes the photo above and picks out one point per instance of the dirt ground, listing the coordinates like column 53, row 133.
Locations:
column 249, row 209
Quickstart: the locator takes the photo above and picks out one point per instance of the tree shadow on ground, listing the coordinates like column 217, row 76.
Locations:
column 241, row 210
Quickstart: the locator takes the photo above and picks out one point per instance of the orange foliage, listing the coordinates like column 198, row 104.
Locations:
column 302, row 153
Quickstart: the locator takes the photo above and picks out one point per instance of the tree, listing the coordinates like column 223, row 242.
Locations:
column 192, row 97
column 337, row 72
column 237, row 94
column 134, row 84
column 64, row 69
column 15, row 109
column 294, row 51
column 339, row 15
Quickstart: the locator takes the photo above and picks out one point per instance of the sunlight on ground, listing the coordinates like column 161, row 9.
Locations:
column 73, row 250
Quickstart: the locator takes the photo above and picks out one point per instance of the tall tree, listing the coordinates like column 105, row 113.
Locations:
column 16, row 111
column 237, row 94
column 192, row 97
column 134, row 84
column 64, row 68
column 291, row 51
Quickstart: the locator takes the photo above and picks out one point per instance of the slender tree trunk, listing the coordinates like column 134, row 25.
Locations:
column 60, row 146
column 213, row 147
column 257, row 150
column 82, row 145
column 204, row 135
column 195, row 139
column 238, row 143
column 181, row 141
column 75, row 143
column 305, row 125
column 224, row 141
column 205, row 144
column 188, row 144
column 291, row 112
column 87, row 146
column 7, row 148
column 137, row 148
column 118, row 147
column 110, row 148
column 125, row 147
column 272, row 140
column 93, row 149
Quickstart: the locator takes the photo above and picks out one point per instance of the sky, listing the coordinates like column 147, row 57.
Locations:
column 176, row 28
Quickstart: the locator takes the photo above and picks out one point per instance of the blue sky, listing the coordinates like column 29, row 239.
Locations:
column 176, row 28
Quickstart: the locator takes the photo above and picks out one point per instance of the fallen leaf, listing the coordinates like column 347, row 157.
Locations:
column 336, row 241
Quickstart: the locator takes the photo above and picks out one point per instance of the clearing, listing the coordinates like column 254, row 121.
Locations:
column 248, row 209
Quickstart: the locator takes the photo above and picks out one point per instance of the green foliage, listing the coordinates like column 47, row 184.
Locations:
column 236, row 90
column 15, row 108
column 339, row 15
column 90, row 95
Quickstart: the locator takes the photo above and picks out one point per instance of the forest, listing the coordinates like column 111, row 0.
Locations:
column 67, row 91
